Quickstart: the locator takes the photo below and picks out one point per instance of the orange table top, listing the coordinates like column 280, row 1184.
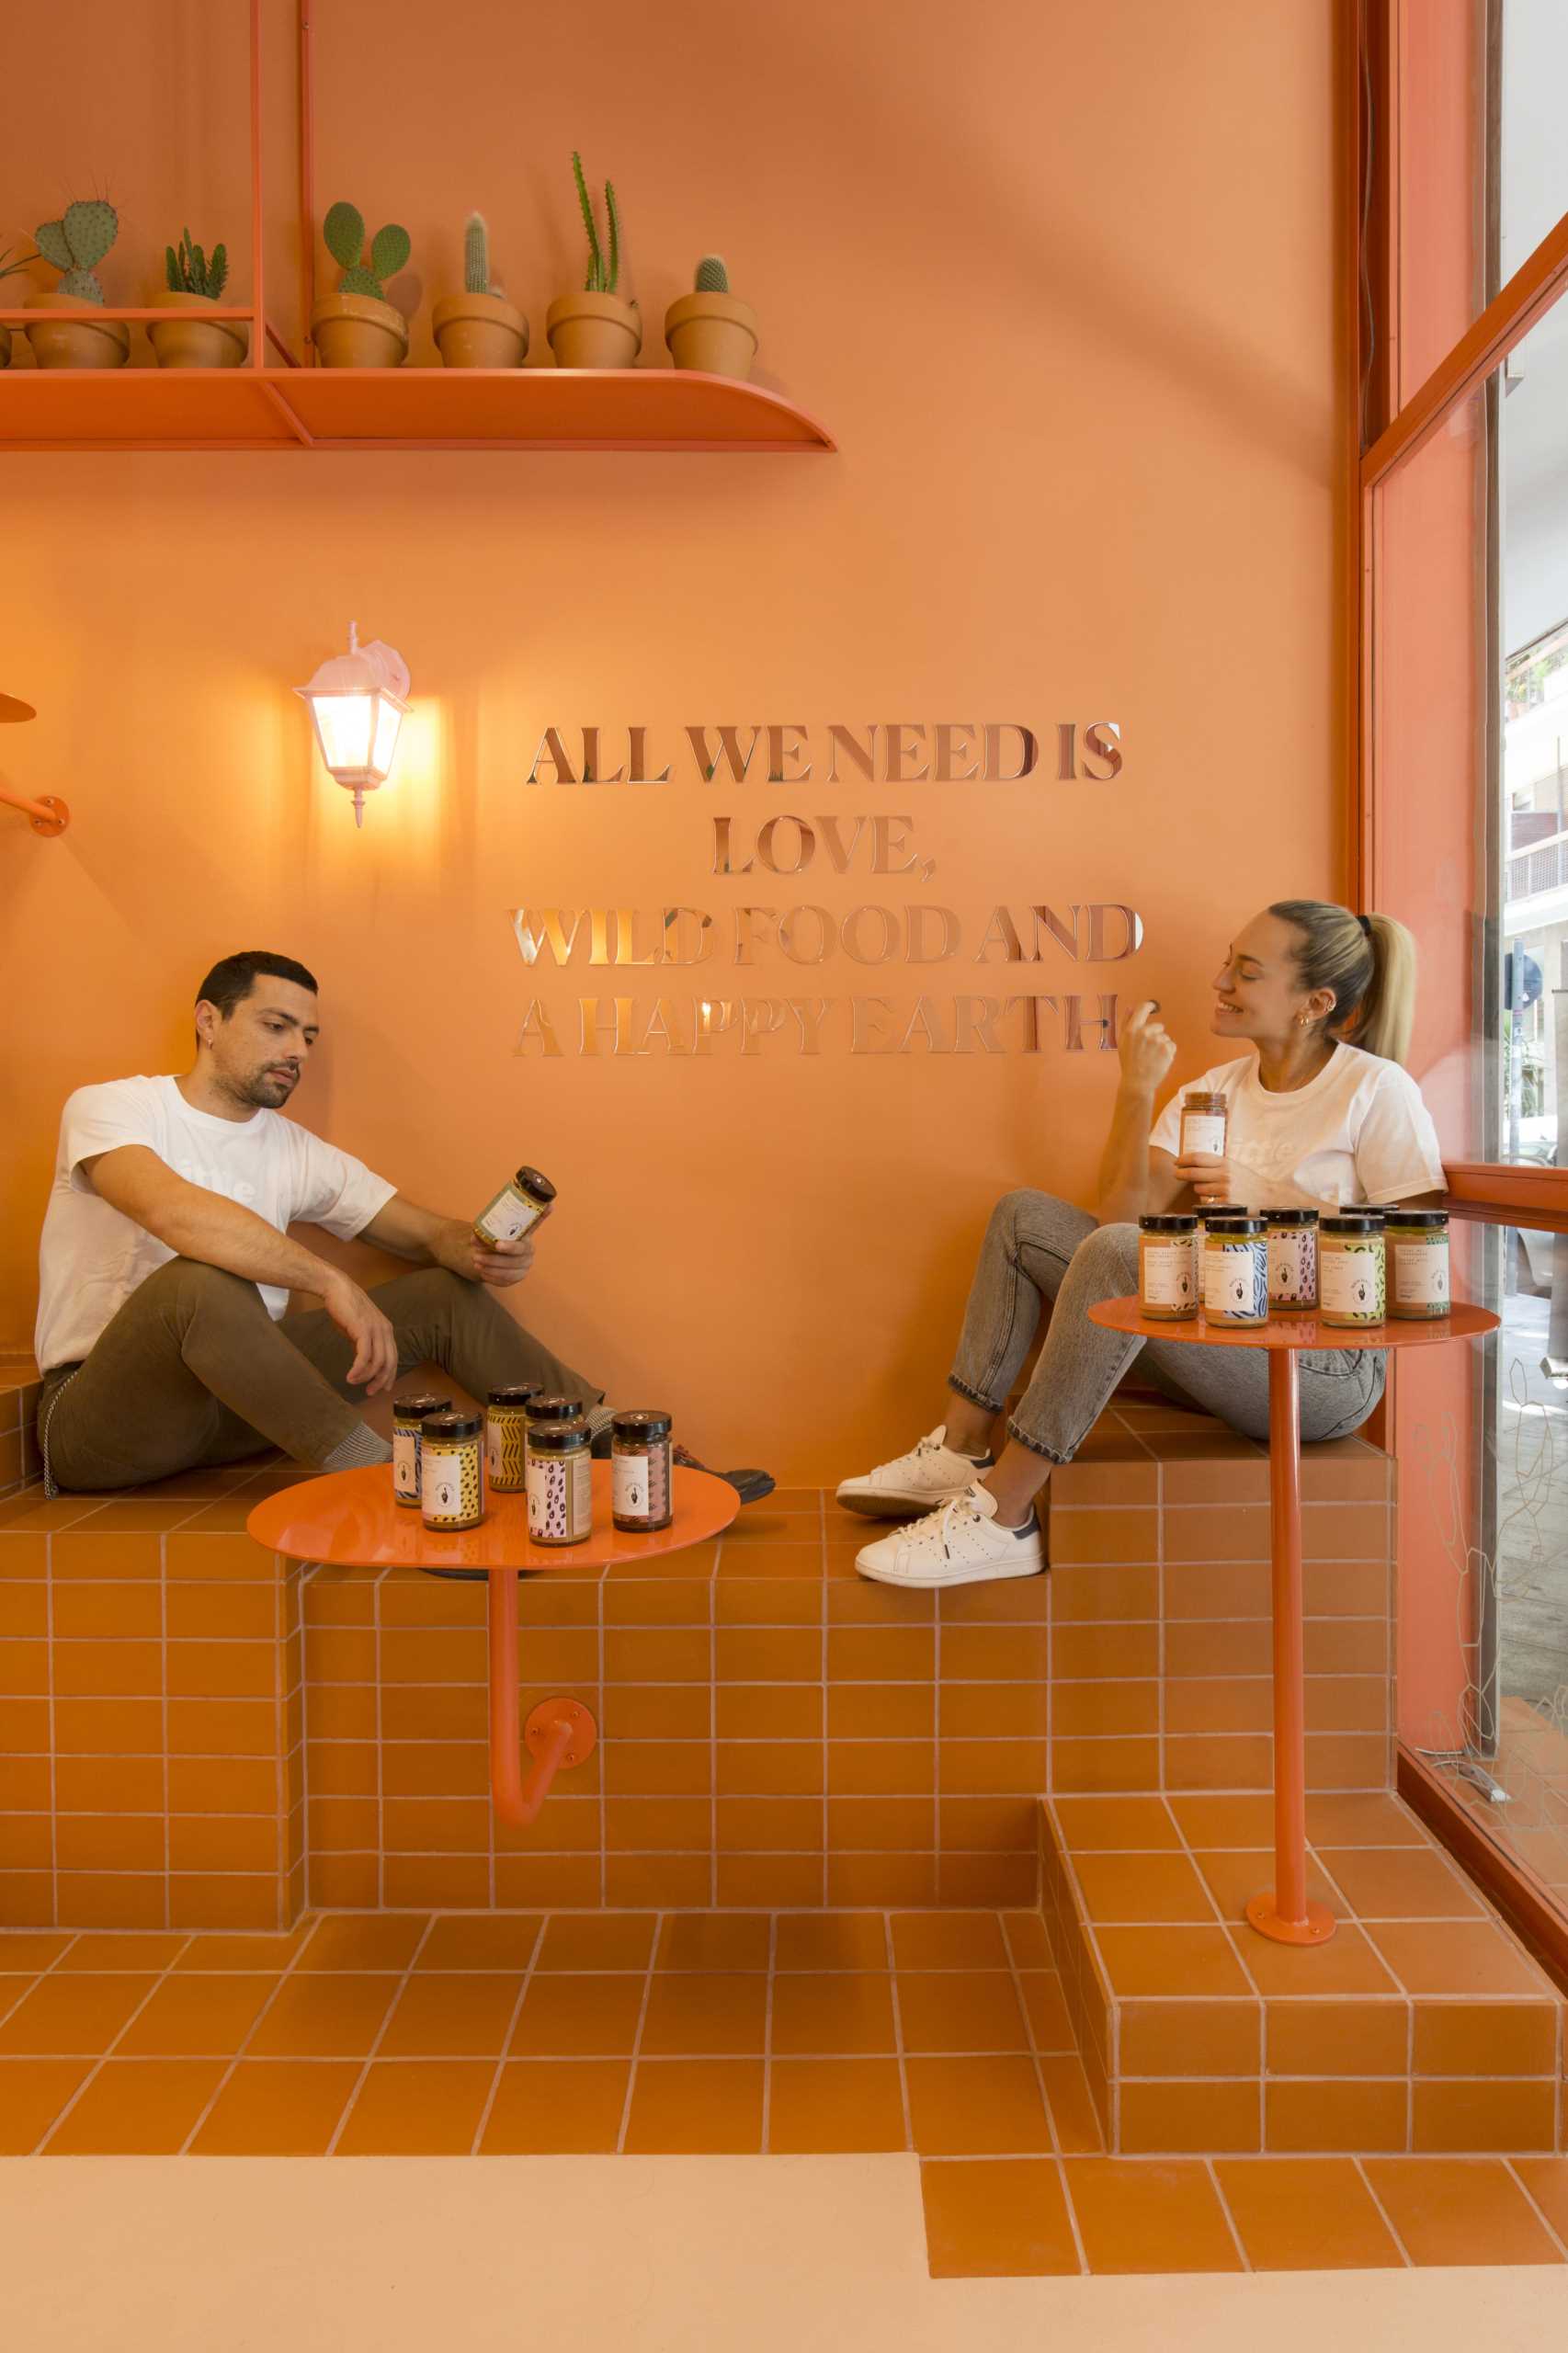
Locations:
column 351, row 1519
column 1462, row 1323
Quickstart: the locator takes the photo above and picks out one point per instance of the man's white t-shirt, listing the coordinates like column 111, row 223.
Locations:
column 92, row 1258
column 1358, row 1132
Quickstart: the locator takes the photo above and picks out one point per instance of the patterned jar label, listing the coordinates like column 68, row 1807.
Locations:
column 506, row 1451
column 1235, row 1282
column 1350, row 1276
column 405, row 1465
column 561, row 1492
column 1293, row 1267
column 451, row 1480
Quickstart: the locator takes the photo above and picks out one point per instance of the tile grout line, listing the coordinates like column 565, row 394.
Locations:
column 53, row 1737
column 392, row 2010
column 380, row 1769
column 96, row 2070
column 164, row 1724
column 1208, row 2164
column 1234, row 1945
column 599, row 1658
column 1044, row 2094
column 767, row 2033
column 898, row 2034
column 714, row 1725
column 497, row 2080
column 287, row 1972
column 826, row 1751
column 1388, row 2221
column 1558, row 2238
column 637, row 2037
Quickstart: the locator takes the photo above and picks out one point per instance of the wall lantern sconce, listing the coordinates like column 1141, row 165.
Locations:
column 357, row 701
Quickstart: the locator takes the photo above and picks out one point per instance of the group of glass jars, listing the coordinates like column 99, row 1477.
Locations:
column 445, row 1463
column 1356, row 1266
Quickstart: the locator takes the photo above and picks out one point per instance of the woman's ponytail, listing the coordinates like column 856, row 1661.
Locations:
column 1369, row 962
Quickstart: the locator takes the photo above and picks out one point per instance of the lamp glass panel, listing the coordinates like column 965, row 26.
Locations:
column 389, row 718
column 343, row 724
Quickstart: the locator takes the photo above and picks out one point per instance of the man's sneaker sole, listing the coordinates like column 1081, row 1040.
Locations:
column 969, row 1573
column 890, row 1502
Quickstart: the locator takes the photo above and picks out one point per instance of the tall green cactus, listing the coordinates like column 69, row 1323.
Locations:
column 344, row 229
column 476, row 255
column 712, row 278
column 604, row 270
column 76, row 242
column 188, row 271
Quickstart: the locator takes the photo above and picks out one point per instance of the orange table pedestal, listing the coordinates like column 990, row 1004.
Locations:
column 1283, row 1912
column 352, row 1519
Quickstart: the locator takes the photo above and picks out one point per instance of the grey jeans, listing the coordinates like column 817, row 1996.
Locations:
column 1039, row 1248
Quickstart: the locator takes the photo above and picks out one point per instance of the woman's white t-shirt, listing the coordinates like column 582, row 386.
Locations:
column 92, row 1258
column 1358, row 1132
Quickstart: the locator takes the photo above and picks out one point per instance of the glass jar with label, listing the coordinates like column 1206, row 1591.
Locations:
column 1293, row 1260
column 523, row 1202
column 1203, row 1120
column 1215, row 1209
column 408, row 1413
column 560, row 1483
column 451, row 1471
column 1235, row 1269
column 640, row 1471
column 1417, row 1265
column 505, row 1436
column 1167, row 1266
column 1350, row 1268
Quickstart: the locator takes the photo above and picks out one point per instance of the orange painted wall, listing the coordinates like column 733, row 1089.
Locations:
column 1060, row 282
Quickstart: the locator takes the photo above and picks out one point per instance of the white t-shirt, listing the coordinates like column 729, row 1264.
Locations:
column 1358, row 1132
column 91, row 1257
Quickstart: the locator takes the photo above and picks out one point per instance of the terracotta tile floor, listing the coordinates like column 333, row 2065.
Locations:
column 465, row 2034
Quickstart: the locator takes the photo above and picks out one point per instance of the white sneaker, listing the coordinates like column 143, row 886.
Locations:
column 960, row 1544
column 933, row 1475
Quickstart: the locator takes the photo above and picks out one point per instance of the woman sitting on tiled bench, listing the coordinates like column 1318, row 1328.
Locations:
column 1312, row 1121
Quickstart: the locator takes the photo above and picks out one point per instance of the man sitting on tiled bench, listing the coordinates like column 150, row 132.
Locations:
column 165, row 1267
column 1312, row 1121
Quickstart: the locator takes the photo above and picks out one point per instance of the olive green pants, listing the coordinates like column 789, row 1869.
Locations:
column 193, row 1369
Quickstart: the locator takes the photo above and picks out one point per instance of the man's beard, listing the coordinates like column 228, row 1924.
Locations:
column 265, row 1091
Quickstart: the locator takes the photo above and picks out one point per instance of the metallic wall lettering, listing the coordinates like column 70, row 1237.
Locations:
column 947, row 752
column 768, row 856
column 729, row 747
column 853, row 929
column 895, row 751
column 1029, row 751
column 682, row 1028
column 899, row 753
column 1104, row 739
column 793, row 946
column 779, row 751
column 1067, row 764
column 885, row 849
column 864, row 755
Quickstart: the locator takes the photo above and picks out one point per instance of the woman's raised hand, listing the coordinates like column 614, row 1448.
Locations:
column 1146, row 1047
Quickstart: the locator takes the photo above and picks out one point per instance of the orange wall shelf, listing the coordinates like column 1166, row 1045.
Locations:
column 398, row 409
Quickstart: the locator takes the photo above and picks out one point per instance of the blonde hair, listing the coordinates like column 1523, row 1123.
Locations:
column 1369, row 962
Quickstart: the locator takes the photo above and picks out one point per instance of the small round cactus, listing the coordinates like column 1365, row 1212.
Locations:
column 712, row 278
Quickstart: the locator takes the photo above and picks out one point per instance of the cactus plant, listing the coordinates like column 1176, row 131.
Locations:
column 712, row 278
column 189, row 271
column 344, row 229
column 76, row 242
column 603, row 270
column 476, row 255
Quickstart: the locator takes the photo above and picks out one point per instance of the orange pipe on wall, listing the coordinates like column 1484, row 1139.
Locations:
column 560, row 1731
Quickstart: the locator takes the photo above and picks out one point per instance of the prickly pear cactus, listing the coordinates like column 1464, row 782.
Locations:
column 51, row 244
column 81, row 286
column 344, row 229
column 90, row 230
column 359, row 281
column 390, row 249
column 712, row 278
column 476, row 255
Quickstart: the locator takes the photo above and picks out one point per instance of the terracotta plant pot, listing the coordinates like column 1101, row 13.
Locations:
column 712, row 332
column 76, row 343
column 478, row 331
column 189, row 340
column 356, row 331
column 594, row 331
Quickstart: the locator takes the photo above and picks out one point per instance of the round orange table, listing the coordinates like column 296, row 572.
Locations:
column 1283, row 1912
column 351, row 1520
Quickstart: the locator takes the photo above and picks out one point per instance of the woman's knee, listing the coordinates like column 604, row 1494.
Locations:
column 1017, row 1210
column 1109, row 1257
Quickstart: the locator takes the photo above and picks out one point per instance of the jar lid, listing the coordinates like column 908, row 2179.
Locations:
column 554, row 1409
column 1292, row 1217
column 452, row 1425
column 1180, row 1222
column 517, row 1392
column 642, row 1422
column 529, row 1180
column 1204, row 1095
column 1353, row 1221
column 1238, row 1226
column 1429, row 1220
column 559, row 1437
column 416, row 1408
column 1223, row 1209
